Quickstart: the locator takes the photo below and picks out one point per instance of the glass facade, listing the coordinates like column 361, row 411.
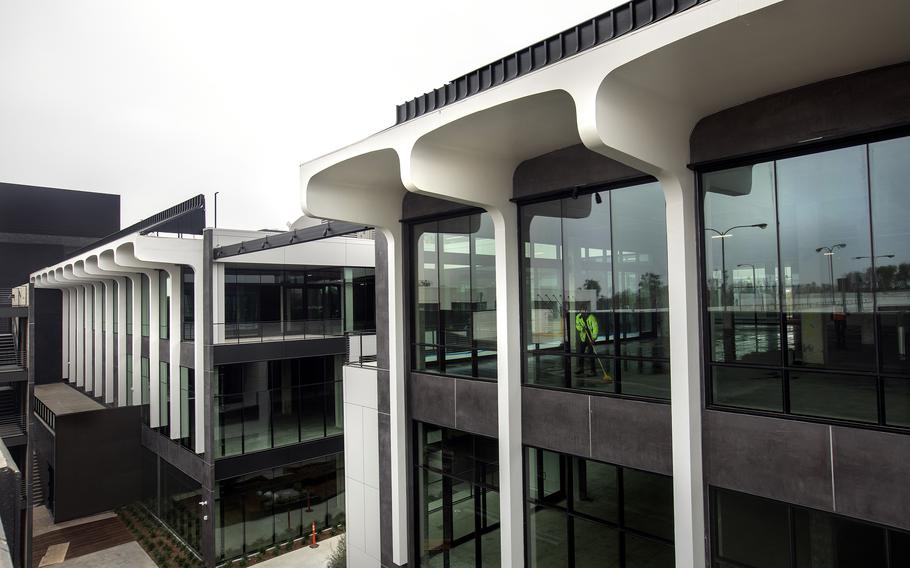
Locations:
column 255, row 511
column 267, row 404
column 457, row 484
column 318, row 301
column 454, row 306
column 187, row 408
column 164, row 398
column 795, row 537
column 144, row 303
column 594, row 292
column 586, row 513
column 129, row 306
column 164, row 304
column 807, row 273
column 187, row 303
column 144, row 389
column 172, row 497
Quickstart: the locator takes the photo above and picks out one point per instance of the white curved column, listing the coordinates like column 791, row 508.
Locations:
column 108, row 384
column 64, row 333
column 126, row 395
column 124, row 257
column 175, row 330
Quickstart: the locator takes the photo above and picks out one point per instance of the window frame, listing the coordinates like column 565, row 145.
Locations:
column 784, row 368
column 615, row 358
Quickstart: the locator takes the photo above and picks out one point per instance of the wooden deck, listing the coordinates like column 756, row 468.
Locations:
column 84, row 539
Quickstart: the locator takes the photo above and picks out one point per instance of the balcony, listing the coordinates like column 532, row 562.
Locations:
column 283, row 330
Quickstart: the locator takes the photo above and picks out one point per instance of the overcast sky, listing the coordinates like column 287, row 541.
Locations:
column 159, row 101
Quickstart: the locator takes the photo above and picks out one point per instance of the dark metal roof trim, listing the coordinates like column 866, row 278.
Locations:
column 619, row 21
column 187, row 217
column 307, row 234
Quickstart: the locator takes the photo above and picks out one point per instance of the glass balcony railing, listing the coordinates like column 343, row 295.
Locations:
column 258, row 331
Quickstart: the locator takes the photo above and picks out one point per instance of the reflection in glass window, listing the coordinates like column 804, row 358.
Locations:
column 458, row 499
column 795, row 537
column 595, row 292
column 315, row 301
column 586, row 513
column 807, row 272
column 254, row 512
column 268, row 404
column 455, row 296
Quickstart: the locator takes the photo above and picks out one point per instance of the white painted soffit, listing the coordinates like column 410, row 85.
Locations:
column 713, row 56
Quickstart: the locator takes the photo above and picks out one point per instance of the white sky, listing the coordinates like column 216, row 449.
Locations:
column 159, row 101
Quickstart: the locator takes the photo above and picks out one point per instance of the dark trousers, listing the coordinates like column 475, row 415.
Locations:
column 584, row 347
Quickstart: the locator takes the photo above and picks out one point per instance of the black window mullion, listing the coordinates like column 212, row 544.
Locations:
column 782, row 317
column 876, row 331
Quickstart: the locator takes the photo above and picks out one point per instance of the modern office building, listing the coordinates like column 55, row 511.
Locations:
column 644, row 297
column 200, row 374
column 38, row 226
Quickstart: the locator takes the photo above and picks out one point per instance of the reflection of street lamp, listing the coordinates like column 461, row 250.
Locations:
column 876, row 256
column 829, row 252
column 723, row 236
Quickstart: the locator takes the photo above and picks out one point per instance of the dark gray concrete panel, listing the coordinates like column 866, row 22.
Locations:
column 266, row 459
column 872, row 475
column 475, row 407
column 164, row 350
column 382, row 389
column 565, row 169
column 97, row 461
column 145, row 346
column 227, row 353
column 776, row 458
column 632, row 433
column 187, row 354
column 385, row 489
column 837, row 107
column 556, row 420
column 176, row 455
column 432, row 399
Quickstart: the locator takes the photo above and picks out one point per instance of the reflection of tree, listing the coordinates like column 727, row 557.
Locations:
column 888, row 277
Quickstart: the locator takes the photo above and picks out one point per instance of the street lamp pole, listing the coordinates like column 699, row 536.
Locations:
column 723, row 236
column 829, row 252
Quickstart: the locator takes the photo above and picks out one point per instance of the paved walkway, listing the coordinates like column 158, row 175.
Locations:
column 83, row 539
column 129, row 555
column 304, row 557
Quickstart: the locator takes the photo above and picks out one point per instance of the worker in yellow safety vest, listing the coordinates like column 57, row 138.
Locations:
column 587, row 328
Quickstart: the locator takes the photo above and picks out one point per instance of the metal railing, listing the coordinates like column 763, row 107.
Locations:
column 283, row 330
column 361, row 349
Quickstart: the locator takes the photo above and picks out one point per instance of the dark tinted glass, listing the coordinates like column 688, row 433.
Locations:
column 741, row 519
column 825, row 540
column 889, row 175
column 747, row 388
column 648, row 502
column 596, row 545
column 846, row 397
column 548, row 545
column 897, row 402
column 644, row 552
column 596, row 489
column 825, row 255
column 741, row 266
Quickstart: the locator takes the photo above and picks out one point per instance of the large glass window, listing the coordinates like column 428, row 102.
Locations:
column 807, row 272
column 144, row 388
column 129, row 306
column 586, row 513
column 312, row 301
column 144, row 303
column 268, row 404
column 164, row 397
column 255, row 511
column 187, row 303
column 795, row 537
column 164, row 304
column 594, row 294
column 455, row 296
column 458, row 498
column 188, row 408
